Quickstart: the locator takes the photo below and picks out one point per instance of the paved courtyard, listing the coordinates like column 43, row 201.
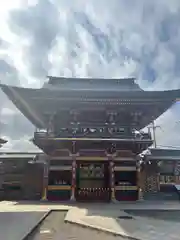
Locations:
column 136, row 224
column 144, row 221
column 16, row 225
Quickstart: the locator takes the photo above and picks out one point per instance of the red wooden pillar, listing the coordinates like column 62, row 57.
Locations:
column 45, row 178
column 112, row 179
column 73, row 184
column 140, row 181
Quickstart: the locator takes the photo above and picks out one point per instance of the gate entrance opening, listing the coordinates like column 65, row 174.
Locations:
column 59, row 185
column 93, row 182
column 126, row 186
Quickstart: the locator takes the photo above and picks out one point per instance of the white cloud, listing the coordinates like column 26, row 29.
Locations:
column 92, row 38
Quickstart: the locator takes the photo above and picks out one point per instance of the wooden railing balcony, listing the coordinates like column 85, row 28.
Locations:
column 70, row 133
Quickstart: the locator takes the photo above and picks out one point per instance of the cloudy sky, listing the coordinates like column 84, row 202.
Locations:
column 103, row 38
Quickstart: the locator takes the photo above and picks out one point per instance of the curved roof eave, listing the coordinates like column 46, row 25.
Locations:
column 27, row 110
column 31, row 102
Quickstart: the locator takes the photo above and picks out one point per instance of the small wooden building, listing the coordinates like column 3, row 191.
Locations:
column 20, row 176
column 162, row 170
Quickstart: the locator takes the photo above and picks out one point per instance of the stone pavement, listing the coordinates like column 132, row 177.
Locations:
column 143, row 228
column 16, row 225
column 23, row 216
column 18, row 220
